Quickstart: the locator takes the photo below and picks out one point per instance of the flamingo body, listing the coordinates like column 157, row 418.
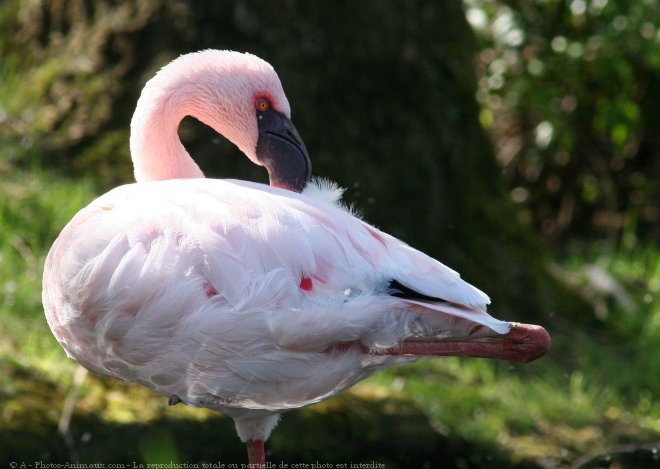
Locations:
column 241, row 297
column 194, row 288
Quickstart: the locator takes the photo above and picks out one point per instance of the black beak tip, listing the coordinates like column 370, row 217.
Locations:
column 281, row 150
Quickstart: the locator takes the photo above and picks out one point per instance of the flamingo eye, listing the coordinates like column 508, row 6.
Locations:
column 263, row 104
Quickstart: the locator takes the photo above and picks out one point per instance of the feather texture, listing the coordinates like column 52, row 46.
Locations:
column 128, row 283
column 244, row 298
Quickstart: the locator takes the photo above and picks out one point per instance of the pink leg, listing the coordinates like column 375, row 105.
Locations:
column 256, row 453
column 524, row 343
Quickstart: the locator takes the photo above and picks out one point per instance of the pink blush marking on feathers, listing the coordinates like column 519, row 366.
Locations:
column 306, row 283
column 376, row 235
column 209, row 290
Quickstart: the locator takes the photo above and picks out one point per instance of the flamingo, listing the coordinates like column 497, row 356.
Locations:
column 246, row 298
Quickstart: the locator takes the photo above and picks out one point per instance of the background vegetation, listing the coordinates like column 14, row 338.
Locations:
column 516, row 141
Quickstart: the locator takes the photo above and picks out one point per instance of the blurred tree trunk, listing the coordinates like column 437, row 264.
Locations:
column 382, row 93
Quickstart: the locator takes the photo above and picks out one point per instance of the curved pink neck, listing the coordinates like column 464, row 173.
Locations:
column 156, row 149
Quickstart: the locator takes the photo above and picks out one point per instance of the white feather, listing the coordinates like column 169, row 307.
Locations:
column 324, row 190
column 262, row 341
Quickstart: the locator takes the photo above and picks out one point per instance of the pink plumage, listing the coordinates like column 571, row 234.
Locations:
column 240, row 297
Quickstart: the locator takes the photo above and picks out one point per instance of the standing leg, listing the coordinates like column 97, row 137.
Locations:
column 256, row 453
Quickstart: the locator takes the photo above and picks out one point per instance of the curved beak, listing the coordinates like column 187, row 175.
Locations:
column 281, row 150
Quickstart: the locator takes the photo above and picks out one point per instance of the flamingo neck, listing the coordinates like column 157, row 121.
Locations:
column 156, row 150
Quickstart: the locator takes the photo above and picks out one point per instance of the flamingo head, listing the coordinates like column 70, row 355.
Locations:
column 240, row 96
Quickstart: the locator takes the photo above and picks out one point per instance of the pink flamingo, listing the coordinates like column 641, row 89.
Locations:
column 248, row 299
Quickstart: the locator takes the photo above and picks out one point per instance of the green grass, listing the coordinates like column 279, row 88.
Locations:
column 595, row 392
column 33, row 209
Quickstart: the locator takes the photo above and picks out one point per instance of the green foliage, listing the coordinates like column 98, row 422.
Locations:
column 64, row 64
column 623, row 285
column 33, row 209
column 569, row 90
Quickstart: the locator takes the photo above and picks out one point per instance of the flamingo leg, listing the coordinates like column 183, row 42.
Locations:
column 256, row 453
column 524, row 343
